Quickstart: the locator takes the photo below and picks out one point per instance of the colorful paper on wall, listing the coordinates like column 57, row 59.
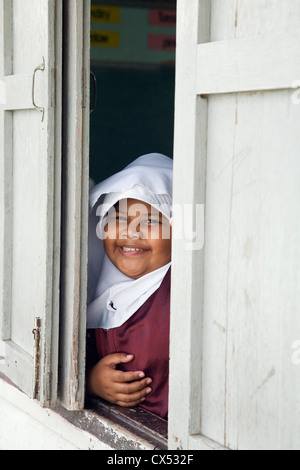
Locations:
column 122, row 34
column 161, row 42
column 105, row 39
column 162, row 18
column 105, row 14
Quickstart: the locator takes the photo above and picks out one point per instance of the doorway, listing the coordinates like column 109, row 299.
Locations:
column 132, row 82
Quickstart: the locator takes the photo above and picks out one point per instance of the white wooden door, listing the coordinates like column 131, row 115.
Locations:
column 30, row 175
column 236, row 303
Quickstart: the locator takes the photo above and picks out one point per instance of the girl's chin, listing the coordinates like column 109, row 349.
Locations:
column 134, row 272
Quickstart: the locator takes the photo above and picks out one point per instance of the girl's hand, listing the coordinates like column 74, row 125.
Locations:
column 125, row 389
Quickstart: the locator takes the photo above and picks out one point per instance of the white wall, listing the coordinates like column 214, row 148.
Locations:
column 25, row 425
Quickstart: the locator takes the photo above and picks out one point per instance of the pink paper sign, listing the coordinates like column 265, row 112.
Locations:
column 161, row 42
column 162, row 18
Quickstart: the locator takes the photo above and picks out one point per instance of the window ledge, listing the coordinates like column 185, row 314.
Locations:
column 138, row 421
column 109, row 427
column 119, row 428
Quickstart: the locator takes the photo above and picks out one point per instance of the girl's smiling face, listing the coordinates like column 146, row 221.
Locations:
column 137, row 238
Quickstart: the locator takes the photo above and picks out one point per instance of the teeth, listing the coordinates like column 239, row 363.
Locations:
column 130, row 249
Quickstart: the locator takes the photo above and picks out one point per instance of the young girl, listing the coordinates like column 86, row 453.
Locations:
column 129, row 284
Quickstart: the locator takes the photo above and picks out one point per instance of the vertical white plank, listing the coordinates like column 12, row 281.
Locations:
column 266, row 16
column 247, row 369
column 249, row 390
column 251, row 313
column 221, row 160
column 5, row 173
column 51, row 332
column 33, row 191
column 189, row 167
column 263, row 385
column 75, row 202
column 223, row 19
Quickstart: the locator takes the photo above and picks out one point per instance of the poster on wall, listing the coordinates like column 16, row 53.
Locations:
column 132, row 35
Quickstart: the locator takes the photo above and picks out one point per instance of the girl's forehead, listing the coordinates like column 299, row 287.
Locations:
column 125, row 204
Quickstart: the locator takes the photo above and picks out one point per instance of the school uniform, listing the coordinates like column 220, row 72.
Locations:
column 132, row 315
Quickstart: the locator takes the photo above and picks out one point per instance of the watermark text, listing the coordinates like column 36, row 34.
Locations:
column 2, row 92
column 296, row 94
column 136, row 222
column 296, row 353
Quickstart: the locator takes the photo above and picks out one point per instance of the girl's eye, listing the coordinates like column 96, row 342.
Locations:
column 152, row 221
column 116, row 218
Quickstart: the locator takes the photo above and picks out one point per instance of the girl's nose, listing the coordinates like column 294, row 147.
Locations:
column 134, row 231
column 131, row 231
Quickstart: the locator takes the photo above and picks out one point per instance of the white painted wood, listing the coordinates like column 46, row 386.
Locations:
column 222, row 113
column 17, row 365
column 250, row 387
column 75, row 202
column 268, row 182
column 6, row 65
column 222, row 117
column 28, row 426
column 249, row 421
column 30, row 172
column 263, row 385
column 18, row 92
column 189, row 167
column 264, row 62
column 202, row 443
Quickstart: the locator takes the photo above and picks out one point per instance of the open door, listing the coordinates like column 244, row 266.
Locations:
column 235, row 303
column 30, row 175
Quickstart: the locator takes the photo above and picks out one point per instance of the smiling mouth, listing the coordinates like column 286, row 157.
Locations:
column 128, row 251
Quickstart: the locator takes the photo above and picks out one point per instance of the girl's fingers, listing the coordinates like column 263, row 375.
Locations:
column 133, row 387
column 122, row 377
column 132, row 399
column 125, row 389
column 112, row 360
column 128, row 405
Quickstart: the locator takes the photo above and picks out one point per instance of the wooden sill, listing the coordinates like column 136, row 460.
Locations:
column 104, row 421
column 138, row 421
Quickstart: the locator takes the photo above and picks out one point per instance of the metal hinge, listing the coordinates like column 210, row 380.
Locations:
column 36, row 356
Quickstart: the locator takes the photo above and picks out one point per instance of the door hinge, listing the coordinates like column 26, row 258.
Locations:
column 36, row 356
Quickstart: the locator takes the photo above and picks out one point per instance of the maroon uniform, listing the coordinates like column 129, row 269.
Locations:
column 146, row 335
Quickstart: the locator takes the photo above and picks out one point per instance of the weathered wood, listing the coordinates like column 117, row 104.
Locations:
column 18, row 92
column 245, row 393
column 189, row 167
column 6, row 168
column 265, row 62
column 136, row 420
column 28, row 426
column 75, row 202
column 31, row 178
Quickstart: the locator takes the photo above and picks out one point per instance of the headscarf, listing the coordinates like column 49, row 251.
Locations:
column 113, row 297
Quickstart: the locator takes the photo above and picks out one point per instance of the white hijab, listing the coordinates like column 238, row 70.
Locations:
column 112, row 296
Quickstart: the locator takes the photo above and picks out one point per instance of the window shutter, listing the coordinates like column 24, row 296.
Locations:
column 235, row 304
column 30, row 174
column 75, row 202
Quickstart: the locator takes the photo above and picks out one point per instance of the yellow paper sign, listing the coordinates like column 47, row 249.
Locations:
column 103, row 14
column 105, row 39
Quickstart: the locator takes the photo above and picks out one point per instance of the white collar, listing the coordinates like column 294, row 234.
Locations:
column 114, row 304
